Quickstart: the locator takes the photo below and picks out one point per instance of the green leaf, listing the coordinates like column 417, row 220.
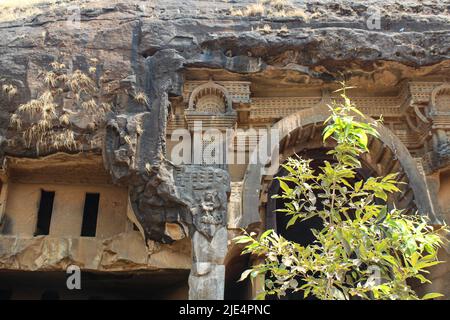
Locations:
column 422, row 278
column 414, row 258
column 328, row 132
column 363, row 138
column 242, row 239
column 357, row 112
column 285, row 187
column 265, row 234
column 292, row 221
column 261, row 296
column 310, row 215
column 390, row 259
column 432, row 295
column 306, row 292
column 358, row 185
column 245, row 274
column 423, row 265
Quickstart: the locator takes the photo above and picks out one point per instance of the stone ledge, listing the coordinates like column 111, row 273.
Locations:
column 125, row 251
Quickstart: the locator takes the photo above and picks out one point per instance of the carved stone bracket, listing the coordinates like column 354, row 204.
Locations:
column 205, row 190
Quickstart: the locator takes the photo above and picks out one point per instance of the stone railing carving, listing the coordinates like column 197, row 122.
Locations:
column 279, row 107
column 420, row 91
column 239, row 91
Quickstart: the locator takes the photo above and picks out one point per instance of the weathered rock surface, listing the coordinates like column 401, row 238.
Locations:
column 126, row 251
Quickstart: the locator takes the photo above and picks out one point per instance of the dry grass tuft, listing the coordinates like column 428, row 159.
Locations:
column 9, row 90
column 298, row 13
column 278, row 4
column 16, row 122
column 256, row 9
column 44, row 122
column 11, row 10
column 271, row 8
column 265, row 29
column 284, row 29
column 64, row 119
column 253, row 10
column 141, row 98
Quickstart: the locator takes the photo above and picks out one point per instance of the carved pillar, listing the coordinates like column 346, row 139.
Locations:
column 205, row 190
column 163, row 195
column 207, row 277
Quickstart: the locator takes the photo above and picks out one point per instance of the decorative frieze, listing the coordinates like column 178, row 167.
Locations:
column 388, row 106
column 417, row 108
column 239, row 90
column 279, row 107
column 421, row 91
column 276, row 108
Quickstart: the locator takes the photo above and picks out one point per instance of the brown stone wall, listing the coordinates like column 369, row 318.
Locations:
column 117, row 246
column 23, row 203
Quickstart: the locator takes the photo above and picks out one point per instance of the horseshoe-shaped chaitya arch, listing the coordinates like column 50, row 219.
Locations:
column 387, row 154
column 213, row 89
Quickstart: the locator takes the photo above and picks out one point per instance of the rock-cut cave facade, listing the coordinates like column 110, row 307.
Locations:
column 140, row 223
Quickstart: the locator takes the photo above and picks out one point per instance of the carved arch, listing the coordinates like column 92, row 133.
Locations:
column 306, row 123
column 443, row 88
column 212, row 91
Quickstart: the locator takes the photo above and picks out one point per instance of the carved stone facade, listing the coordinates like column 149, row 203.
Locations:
column 169, row 203
column 223, row 73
